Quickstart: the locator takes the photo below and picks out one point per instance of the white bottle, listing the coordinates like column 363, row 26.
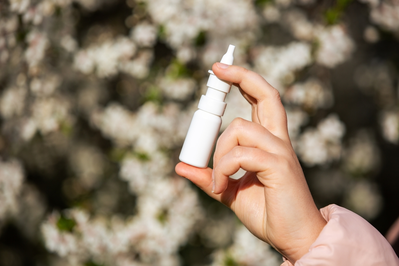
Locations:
column 206, row 122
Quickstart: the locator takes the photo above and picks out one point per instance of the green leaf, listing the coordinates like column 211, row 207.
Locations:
column 117, row 154
column 142, row 156
column 163, row 216
column 333, row 14
column 66, row 128
column 201, row 38
column 230, row 261
column 262, row 2
column 152, row 94
column 92, row 263
column 65, row 224
column 161, row 32
column 177, row 69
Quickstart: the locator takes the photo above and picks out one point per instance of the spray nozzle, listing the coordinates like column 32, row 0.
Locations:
column 228, row 57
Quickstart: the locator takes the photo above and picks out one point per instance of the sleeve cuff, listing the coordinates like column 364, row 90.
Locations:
column 347, row 239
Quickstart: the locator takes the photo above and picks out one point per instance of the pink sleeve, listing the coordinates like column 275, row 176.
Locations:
column 347, row 239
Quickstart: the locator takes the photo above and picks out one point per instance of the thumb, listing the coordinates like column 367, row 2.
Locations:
column 202, row 178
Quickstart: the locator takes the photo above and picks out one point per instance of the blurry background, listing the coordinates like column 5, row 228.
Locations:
column 96, row 97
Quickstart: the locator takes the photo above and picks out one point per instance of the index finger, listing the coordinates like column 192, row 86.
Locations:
column 264, row 98
column 203, row 179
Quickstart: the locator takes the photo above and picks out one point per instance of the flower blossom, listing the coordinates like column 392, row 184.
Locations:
column 322, row 145
column 335, row 46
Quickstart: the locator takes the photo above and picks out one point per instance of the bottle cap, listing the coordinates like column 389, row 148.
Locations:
column 228, row 57
column 218, row 84
column 211, row 105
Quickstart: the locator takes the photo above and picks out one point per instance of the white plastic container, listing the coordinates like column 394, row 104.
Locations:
column 206, row 122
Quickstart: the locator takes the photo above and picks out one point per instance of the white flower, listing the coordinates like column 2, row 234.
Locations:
column 335, row 46
column 37, row 45
column 278, row 63
column 179, row 89
column 117, row 123
column 217, row 231
column 144, row 34
column 299, row 25
column 386, row 15
column 12, row 102
column 49, row 113
column 311, row 95
column 69, row 43
column 362, row 155
column 185, row 54
column 389, row 121
column 372, row 3
column 331, row 129
column 271, row 13
column 28, row 129
column 11, row 24
column 312, row 149
column 31, row 209
column 183, row 21
column 136, row 173
column 106, row 58
column 65, row 244
column 365, row 199
column 295, row 118
column 322, row 145
column 247, row 250
column 19, row 6
column 88, row 164
column 11, row 181
column 378, row 81
column 45, row 86
column 371, row 34
column 147, row 142
column 138, row 67
column 33, row 15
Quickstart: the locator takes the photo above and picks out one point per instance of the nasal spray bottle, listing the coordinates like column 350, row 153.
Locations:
column 206, row 122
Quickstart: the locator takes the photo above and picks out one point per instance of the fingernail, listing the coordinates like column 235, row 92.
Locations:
column 222, row 66
column 213, row 182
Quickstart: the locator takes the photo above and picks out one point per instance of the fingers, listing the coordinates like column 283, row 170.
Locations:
column 202, row 178
column 247, row 158
column 245, row 133
column 268, row 106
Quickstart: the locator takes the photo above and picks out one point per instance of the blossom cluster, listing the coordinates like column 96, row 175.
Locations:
column 96, row 98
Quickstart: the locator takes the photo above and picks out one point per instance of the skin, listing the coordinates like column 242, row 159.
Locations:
column 272, row 199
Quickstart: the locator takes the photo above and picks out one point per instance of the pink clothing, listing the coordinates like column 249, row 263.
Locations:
column 347, row 239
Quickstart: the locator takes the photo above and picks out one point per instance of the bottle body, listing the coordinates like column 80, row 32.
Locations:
column 205, row 125
column 200, row 140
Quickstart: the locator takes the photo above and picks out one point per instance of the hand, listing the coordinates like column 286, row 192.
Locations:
column 272, row 199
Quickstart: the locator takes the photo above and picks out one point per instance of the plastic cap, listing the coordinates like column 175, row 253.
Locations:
column 211, row 105
column 217, row 84
column 228, row 57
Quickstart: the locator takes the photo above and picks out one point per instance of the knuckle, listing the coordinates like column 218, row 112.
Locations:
column 275, row 94
column 238, row 123
column 215, row 159
column 288, row 160
column 245, row 71
column 219, row 141
column 284, row 163
column 237, row 152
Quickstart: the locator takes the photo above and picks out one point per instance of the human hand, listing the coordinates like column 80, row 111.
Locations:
column 272, row 199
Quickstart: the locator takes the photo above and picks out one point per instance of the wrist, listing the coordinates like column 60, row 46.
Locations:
column 311, row 233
